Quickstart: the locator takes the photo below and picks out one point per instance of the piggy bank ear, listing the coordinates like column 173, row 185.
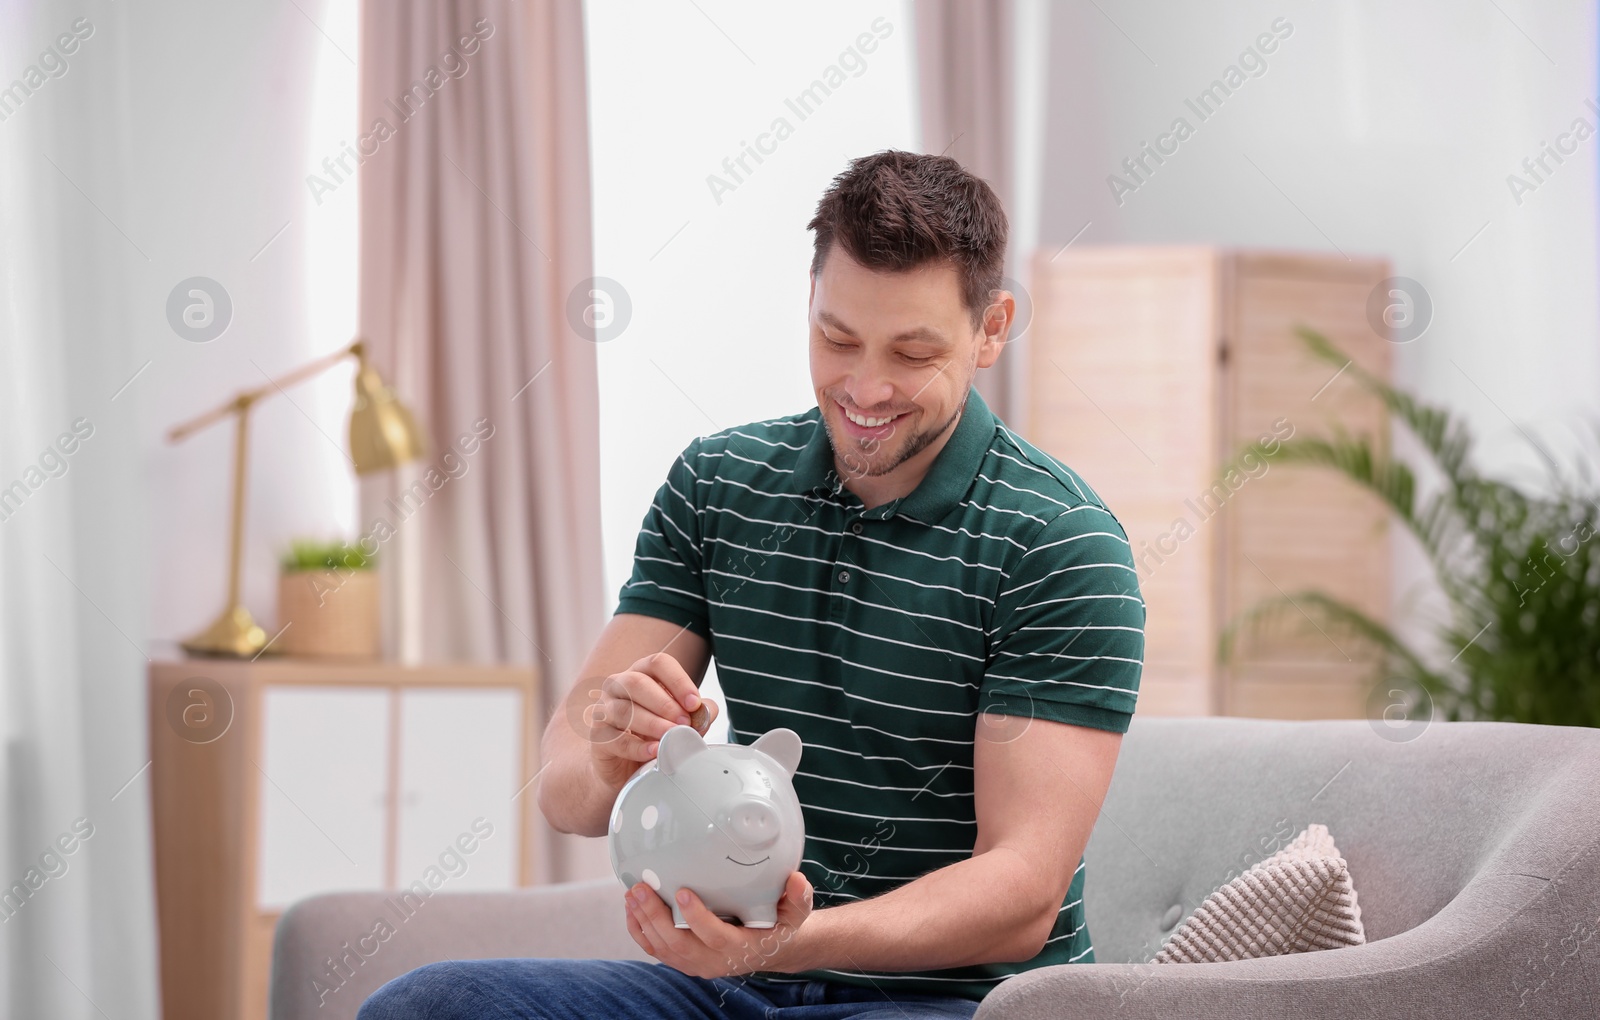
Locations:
column 783, row 745
column 677, row 746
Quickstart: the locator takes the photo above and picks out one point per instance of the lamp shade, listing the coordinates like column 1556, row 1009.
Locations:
column 383, row 434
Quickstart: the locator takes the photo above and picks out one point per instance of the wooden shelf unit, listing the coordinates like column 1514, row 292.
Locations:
column 231, row 835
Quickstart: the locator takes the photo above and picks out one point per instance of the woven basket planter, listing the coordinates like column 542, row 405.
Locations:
column 330, row 614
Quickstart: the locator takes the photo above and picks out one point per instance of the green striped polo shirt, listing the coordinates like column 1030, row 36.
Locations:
column 1001, row 584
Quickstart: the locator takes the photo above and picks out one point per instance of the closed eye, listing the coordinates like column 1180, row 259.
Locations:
column 835, row 345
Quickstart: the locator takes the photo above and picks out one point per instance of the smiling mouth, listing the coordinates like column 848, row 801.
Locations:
column 742, row 864
column 885, row 419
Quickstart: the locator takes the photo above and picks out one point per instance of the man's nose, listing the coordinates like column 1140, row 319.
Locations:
column 870, row 395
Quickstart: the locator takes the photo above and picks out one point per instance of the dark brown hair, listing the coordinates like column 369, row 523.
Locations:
column 896, row 210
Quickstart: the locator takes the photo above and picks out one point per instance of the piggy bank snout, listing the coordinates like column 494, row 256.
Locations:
column 754, row 824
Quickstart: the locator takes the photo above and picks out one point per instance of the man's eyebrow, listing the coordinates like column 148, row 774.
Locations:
column 926, row 333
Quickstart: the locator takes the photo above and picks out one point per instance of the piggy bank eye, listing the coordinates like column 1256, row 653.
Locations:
column 724, row 771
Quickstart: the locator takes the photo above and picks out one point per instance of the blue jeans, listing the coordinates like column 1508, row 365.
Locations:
column 630, row 990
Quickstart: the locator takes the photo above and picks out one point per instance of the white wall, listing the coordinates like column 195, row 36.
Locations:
column 718, row 330
column 221, row 138
column 1392, row 128
column 1377, row 128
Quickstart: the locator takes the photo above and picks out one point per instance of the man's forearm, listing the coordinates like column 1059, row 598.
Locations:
column 989, row 908
column 572, row 795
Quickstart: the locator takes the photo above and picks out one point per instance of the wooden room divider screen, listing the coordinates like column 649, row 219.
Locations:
column 1148, row 368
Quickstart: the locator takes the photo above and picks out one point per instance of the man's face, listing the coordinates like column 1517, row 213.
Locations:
column 897, row 346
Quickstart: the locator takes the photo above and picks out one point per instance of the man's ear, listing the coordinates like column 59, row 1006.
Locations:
column 997, row 319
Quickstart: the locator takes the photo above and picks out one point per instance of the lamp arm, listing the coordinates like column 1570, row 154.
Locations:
column 244, row 398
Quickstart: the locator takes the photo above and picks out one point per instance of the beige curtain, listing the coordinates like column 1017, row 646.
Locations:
column 475, row 229
column 965, row 63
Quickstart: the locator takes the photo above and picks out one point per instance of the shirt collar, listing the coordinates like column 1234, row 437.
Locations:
column 947, row 480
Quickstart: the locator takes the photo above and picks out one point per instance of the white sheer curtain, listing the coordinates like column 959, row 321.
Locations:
column 72, row 573
column 173, row 140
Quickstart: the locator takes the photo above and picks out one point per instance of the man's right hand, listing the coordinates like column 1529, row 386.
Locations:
column 600, row 737
column 635, row 708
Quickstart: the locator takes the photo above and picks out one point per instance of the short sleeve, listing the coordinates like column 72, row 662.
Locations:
column 668, row 561
column 1068, row 639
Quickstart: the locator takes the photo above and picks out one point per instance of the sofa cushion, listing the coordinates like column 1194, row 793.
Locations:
column 1299, row 899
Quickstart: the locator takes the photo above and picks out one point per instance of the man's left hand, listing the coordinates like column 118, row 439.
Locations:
column 711, row 947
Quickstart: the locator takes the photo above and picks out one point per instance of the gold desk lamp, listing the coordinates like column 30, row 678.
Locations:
column 383, row 434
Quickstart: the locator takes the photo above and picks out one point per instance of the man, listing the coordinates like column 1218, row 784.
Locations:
column 948, row 617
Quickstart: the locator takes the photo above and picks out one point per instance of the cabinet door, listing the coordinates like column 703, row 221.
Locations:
column 324, row 760
column 460, row 756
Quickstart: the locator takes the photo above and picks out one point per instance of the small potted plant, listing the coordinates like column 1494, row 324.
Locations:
column 328, row 601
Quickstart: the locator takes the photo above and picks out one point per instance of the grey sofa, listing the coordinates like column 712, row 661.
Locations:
column 1474, row 849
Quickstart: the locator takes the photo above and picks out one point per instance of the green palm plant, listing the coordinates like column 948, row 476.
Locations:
column 1520, row 640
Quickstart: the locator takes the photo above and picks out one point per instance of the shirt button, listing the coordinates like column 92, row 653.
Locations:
column 856, row 527
column 844, row 577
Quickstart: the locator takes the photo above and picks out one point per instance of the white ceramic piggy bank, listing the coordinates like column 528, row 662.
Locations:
column 721, row 820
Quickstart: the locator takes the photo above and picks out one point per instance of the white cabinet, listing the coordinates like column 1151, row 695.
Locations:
column 312, row 777
column 460, row 760
column 323, row 791
column 368, row 788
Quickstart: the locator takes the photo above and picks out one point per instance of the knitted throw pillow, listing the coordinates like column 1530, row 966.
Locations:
column 1295, row 901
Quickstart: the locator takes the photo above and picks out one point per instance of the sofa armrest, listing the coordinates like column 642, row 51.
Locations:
column 372, row 938
column 1508, row 946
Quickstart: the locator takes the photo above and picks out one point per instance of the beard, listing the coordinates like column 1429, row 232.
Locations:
column 872, row 458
